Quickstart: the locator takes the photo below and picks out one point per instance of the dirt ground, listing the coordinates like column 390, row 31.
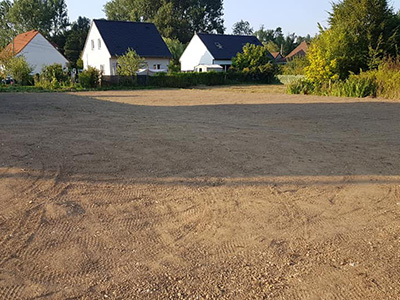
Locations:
column 228, row 193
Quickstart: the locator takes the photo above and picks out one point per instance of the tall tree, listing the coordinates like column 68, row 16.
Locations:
column 75, row 40
column 6, row 31
column 361, row 33
column 372, row 25
column 176, row 48
column 242, row 28
column 176, row 19
column 47, row 16
column 276, row 37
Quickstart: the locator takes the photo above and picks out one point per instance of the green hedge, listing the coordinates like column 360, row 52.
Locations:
column 185, row 80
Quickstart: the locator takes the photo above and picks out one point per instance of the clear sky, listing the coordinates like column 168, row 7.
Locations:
column 299, row 16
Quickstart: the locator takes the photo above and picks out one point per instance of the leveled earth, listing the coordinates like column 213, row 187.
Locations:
column 232, row 193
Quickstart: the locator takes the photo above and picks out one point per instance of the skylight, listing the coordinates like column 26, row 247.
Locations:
column 218, row 45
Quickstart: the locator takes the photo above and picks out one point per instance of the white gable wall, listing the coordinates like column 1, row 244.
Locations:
column 196, row 53
column 101, row 58
column 95, row 57
column 39, row 52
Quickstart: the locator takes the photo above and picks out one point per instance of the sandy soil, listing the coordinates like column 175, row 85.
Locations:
column 229, row 193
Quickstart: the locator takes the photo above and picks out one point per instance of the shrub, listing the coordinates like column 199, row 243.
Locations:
column 185, row 80
column 302, row 86
column 129, row 63
column 358, row 86
column 79, row 63
column 295, row 66
column 261, row 74
column 388, row 79
column 252, row 57
column 89, row 78
column 53, row 77
column 54, row 72
column 20, row 70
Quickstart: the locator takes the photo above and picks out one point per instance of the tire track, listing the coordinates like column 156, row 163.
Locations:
column 13, row 292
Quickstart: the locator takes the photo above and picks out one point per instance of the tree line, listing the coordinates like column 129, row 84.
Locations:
column 357, row 54
column 176, row 20
column 274, row 40
column 50, row 18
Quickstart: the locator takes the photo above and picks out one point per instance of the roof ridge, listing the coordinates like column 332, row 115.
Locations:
column 223, row 34
column 119, row 21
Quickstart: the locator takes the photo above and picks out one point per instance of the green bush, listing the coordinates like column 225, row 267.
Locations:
column 295, row 66
column 302, row 86
column 53, row 77
column 358, row 86
column 89, row 78
column 388, row 79
column 185, row 80
column 20, row 70
column 54, row 72
column 261, row 74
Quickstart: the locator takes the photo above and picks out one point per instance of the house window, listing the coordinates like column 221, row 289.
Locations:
column 156, row 66
column 92, row 42
column 99, row 43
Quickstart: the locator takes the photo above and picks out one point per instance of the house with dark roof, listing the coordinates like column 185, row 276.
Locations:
column 214, row 49
column 37, row 50
column 109, row 39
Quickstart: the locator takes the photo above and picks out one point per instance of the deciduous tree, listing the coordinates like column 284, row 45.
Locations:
column 129, row 63
column 176, row 19
column 361, row 33
column 242, row 28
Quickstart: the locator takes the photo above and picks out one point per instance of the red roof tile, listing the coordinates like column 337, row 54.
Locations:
column 21, row 41
column 301, row 50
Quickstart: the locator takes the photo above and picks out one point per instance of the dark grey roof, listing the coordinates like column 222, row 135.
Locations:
column 224, row 47
column 144, row 38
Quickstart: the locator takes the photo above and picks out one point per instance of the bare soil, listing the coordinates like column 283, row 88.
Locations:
column 228, row 193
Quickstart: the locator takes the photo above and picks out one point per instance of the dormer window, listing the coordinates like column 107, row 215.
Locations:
column 99, row 43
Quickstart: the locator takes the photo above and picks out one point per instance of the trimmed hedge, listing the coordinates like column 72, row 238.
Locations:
column 185, row 80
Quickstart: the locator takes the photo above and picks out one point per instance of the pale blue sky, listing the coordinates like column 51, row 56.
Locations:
column 299, row 16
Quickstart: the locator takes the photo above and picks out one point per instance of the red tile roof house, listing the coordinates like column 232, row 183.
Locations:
column 37, row 50
column 300, row 51
column 278, row 57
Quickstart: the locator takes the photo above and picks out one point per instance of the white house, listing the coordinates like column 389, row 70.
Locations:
column 37, row 50
column 109, row 39
column 213, row 49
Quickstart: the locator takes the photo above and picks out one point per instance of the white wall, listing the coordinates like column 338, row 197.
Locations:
column 39, row 52
column 196, row 53
column 101, row 57
column 96, row 57
column 164, row 62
